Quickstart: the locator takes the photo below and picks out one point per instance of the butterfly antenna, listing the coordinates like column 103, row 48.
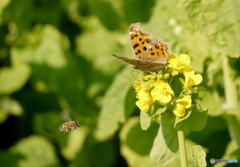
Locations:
column 140, row 77
column 123, row 71
column 133, row 75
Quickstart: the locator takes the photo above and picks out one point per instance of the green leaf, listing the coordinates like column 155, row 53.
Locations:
column 212, row 101
column 13, row 15
column 52, row 63
column 146, row 118
column 101, row 154
column 9, row 106
column 165, row 144
column 13, row 78
column 129, row 102
column 48, row 47
column 100, row 159
column 176, row 161
column 10, row 159
column 195, row 122
column 99, row 51
column 74, row 11
column 41, row 126
column 3, row 4
column 102, row 8
column 134, row 10
column 3, row 115
column 214, row 70
column 36, row 151
column 218, row 21
column 113, row 110
column 72, row 148
column 17, row 10
column 199, row 156
column 136, row 143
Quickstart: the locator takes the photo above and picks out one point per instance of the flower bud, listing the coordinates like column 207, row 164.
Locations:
column 174, row 73
column 166, row 76
column 160, row 76
column 153, row 77
column 169, row 70
column 160, row 71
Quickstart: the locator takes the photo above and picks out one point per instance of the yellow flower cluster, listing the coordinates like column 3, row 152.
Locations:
column 143, row 94
column 156, row 87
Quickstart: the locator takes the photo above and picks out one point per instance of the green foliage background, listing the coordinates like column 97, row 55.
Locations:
column 56, row 55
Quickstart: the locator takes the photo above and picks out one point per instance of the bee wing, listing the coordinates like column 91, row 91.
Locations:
column 65, row 115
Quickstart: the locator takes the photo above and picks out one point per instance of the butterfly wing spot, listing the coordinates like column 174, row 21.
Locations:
column 139, row 40
column 131, row 37
column 158, row 51
column 136, row 45
column 148, row 40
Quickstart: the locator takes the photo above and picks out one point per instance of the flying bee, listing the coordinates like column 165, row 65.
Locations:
column 69, row 125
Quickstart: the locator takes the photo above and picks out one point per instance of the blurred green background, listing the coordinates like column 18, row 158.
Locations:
column 56, row 55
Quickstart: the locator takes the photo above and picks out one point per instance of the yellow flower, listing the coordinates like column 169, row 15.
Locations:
column 143, row 94
column 190, row 80
column 181, row 105
column 179, row 63
column 137, row 85
column 145, row 100
column 162, row 91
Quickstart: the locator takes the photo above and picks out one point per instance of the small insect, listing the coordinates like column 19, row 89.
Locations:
column 69, row 125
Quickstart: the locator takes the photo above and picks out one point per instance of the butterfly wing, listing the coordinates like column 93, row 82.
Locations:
column 151, row 55
column 158, row 51
column 140, row 41
column 142, row 65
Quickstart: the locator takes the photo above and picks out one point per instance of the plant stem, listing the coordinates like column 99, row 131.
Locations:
column 231, row 98
column 182, row 148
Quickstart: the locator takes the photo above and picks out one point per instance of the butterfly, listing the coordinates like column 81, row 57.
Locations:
column 150, row 55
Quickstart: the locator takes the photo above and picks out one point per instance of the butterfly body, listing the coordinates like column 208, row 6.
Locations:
column 150, row 55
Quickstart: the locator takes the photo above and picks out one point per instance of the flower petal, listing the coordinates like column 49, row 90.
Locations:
column 166, row 99
column 185, row 59
column 198, row 79
column 179, row 110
